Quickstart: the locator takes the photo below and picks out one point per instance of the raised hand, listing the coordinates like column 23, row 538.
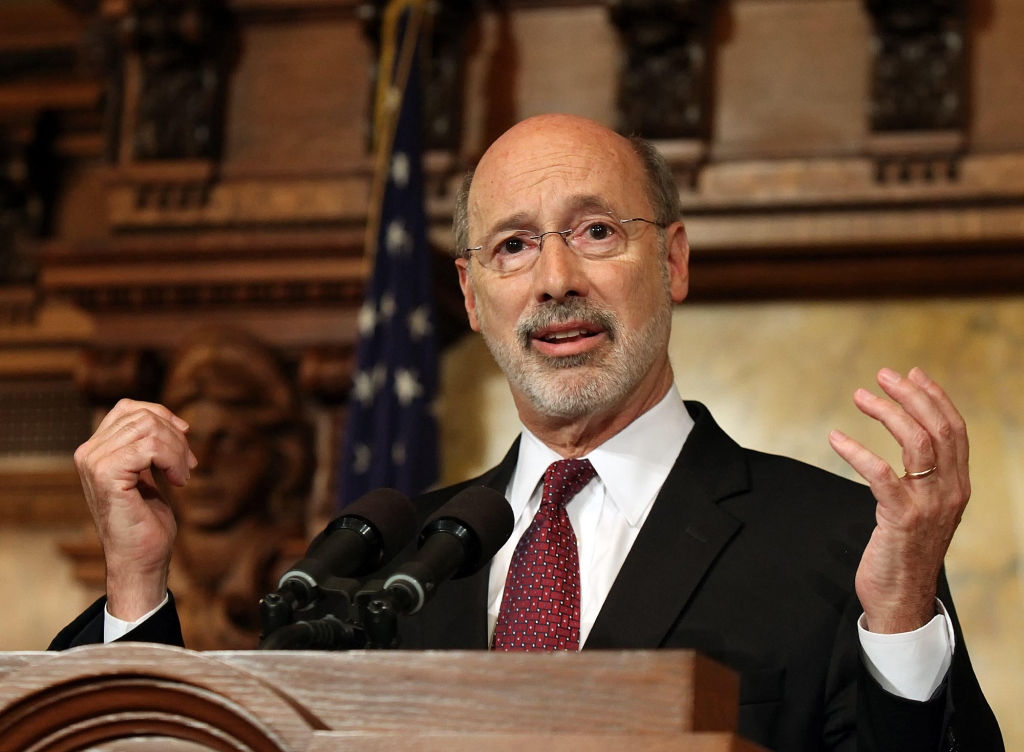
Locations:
column 135, row 523
column 918, row 511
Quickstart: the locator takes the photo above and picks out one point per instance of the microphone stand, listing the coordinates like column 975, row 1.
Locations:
column 330, row 621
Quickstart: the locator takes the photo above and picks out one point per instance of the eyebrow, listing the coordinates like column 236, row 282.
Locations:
column 578, row 204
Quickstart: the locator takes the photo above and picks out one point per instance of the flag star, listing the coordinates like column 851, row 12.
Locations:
column 400, row 169
column 363, row 455
column 397, row 240
column 419, row 323
column 364, row 388
column 398, row 453
column 388, row 306
column 367, row 318
column 407, row 388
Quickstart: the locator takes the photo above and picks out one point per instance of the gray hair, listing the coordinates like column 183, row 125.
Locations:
column 662, row 192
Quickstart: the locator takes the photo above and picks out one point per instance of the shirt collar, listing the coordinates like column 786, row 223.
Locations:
column 633, row 464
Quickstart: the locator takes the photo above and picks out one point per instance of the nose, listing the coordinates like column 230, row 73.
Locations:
column 558, row 273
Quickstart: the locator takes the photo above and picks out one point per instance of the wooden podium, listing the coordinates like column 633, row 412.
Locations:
column 135, row 697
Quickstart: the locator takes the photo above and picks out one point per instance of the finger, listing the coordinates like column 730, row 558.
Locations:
column 921, row 407
column 156, row 443
column 919, row 452
column 135, row 443
column 132, row 426
column 126, row 406
column 884, row 482
column 952, row 415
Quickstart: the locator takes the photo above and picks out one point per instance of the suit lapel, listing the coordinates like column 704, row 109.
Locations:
column 682, row 537
column 456, row 619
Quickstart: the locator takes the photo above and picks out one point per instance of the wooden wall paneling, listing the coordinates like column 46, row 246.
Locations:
column 565, row 59
column 298, row 97
column 792, row 79
column 996, row 75
column 42, row 496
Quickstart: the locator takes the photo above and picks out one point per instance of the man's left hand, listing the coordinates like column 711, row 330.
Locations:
column 915, row 516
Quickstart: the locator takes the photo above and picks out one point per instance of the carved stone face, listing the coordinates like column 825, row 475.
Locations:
column 232, row 478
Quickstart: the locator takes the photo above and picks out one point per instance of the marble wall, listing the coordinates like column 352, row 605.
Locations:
column 779, row 376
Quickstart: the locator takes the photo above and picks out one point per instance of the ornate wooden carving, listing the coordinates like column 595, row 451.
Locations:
column 448, row 21
column 247, row 497
column 919, row 54
column 664, row 88
column 183, row 59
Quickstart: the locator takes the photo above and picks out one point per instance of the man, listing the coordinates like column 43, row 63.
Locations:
column 639, row 522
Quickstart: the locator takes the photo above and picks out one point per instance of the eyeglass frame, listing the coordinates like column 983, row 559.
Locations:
column 468, row 252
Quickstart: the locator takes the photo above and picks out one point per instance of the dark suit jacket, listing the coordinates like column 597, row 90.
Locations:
column 749, row 558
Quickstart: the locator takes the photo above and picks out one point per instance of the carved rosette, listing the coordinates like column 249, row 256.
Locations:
column 664, row 87
column 919, row 56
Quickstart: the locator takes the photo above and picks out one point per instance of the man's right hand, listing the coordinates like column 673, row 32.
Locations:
column 134, row 522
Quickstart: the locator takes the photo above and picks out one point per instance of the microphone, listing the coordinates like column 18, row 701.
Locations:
column 367, row 536
column 456, row 541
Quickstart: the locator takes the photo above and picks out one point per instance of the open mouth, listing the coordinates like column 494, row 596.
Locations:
column 569, row 335
column 570, row 338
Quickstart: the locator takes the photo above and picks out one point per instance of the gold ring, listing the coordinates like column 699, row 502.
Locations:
column 922, row 474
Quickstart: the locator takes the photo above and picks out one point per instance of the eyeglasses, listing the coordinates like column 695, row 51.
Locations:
column 599, row 236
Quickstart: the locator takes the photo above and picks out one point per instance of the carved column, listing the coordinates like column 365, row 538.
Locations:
column 918, row 106
column 664, row 89
column 181, row 53
column 919, row 74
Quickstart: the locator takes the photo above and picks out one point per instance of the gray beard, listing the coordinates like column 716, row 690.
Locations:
column 573, row 386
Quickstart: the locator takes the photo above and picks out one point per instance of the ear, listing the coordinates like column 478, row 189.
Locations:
column 678, row 260
column 468, row 294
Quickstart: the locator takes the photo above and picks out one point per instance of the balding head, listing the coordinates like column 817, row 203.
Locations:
column 539, row 141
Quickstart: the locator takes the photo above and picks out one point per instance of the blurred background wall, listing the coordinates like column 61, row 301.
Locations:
column 852, row 173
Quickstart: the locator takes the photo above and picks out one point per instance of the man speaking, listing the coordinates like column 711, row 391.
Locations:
column 639, row 523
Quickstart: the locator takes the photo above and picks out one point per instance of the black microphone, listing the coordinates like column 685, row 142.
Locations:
column 456, row 541
column 362, row 540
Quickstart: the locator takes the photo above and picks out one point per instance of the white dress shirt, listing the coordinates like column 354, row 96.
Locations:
column 607, row 515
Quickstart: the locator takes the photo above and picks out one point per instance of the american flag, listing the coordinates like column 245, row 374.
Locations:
column 391, row 433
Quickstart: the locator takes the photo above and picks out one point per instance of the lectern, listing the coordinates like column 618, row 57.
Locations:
column 135, row 697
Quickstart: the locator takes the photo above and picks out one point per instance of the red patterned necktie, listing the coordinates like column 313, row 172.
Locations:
column 540, row 609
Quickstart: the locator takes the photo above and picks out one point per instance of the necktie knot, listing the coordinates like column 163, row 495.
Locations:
column 564, row 479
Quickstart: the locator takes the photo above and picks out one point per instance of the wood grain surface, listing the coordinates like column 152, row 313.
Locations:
column 280, row 702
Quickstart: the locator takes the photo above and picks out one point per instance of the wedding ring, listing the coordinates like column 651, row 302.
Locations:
column 922, row 474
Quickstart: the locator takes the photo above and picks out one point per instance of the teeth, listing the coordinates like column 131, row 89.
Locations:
column 564, row 335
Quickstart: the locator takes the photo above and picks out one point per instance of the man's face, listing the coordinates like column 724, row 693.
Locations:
column 574, row 336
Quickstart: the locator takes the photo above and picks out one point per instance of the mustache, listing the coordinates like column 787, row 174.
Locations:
column 571, row 309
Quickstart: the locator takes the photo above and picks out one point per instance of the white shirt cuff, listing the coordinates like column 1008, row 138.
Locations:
column 911, row 665
column 115, row 629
